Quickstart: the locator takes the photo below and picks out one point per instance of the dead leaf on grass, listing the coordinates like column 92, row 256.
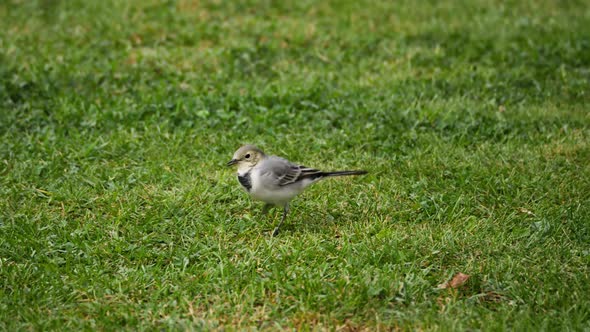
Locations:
column 458, row 280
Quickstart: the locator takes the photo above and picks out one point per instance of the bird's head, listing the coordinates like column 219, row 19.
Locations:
column 246, row 157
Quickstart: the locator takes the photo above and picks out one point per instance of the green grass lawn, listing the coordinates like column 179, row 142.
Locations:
column 117, row 119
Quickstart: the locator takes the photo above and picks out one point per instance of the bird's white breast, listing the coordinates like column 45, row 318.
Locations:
column 264, row 188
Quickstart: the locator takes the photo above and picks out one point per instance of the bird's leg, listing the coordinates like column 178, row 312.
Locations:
column 285, row 210
column 266, row 208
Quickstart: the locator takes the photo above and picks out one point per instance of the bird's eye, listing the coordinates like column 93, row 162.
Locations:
column 247, row 156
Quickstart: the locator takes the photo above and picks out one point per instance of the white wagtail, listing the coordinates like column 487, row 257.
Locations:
column 274, row 180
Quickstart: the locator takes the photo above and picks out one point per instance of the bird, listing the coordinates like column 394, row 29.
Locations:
column 275, row 180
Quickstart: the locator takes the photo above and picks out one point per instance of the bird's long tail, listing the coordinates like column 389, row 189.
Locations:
column 345, row 173
column 314, row 174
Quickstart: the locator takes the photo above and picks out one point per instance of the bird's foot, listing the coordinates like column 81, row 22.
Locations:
column 275, row 232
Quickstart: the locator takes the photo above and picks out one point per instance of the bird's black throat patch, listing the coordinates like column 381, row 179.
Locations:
column 245, row 181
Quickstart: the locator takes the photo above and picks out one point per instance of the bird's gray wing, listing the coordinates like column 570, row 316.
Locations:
column 284, row 172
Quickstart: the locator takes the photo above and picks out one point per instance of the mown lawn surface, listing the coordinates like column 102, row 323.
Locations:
column 117, row 119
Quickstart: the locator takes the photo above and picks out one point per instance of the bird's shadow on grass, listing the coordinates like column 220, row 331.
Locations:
column 300, row 221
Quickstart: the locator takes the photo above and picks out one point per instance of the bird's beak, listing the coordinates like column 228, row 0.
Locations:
column 232, row 162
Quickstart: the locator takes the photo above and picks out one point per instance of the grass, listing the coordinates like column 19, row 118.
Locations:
column 117, row 117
